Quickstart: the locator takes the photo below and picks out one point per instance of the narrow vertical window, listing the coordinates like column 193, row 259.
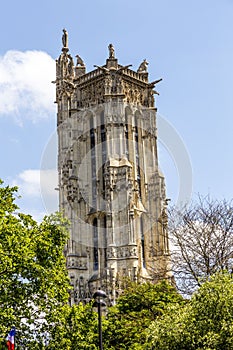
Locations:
column 126, row 137
column 103, row 134
column 104, row 150
column 142, row 242
column 93, row 162
column 137, row 165
column 95, row 246
column 105, row 242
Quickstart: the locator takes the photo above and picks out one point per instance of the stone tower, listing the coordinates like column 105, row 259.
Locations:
column 110, row 186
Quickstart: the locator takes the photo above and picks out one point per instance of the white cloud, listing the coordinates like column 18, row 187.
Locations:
column 25, row 85
column 28, row 182
column 37, row 189
column 33, row 182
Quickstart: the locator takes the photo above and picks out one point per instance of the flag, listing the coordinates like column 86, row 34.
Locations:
column 11, row 339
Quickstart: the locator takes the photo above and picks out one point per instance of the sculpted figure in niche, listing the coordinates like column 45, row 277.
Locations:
column 65, row 38
column 111, row 51
column 143, row 67
column 71, row 65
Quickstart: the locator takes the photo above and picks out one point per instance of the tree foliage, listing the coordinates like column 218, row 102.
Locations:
column 34, row 287
column 201, row 241
column 74, row 327
column 124, row 325
column 205, row 322
column 136, row 308
column 33, row 277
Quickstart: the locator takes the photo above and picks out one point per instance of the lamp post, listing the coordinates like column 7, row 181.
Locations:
column 98, row 296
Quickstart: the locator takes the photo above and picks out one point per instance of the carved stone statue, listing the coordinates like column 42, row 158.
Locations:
column 79, row 61
column 143, row 67
column 65, row 38
column 111, row 51
column 71, row 65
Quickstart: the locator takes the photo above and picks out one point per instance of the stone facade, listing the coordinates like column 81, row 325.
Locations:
column 110, row 187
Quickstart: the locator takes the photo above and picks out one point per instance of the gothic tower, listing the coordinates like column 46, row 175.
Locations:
column 110, row 186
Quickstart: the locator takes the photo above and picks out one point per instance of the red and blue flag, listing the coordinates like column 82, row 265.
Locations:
column 11, row 339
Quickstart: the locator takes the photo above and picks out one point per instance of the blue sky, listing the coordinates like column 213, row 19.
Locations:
column 187, row 43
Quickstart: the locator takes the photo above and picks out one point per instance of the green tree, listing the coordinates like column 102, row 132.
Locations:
column 75, row 327
column 212, row 313
column 204, row 323
column 136, row 308
column 33, row 278
column 124, row 325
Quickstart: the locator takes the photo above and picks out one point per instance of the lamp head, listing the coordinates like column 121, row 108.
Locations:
column 99, row 294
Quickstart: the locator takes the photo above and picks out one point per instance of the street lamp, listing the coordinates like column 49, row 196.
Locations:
column 98, row 296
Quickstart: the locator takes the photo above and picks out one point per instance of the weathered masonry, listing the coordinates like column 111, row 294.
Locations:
column 110, row 185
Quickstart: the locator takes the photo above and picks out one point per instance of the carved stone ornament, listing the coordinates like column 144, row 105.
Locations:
column 122, row 252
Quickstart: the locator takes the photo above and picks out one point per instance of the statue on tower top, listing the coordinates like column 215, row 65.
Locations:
column 143, row 67
column 65, row 38
column 111, row 51
column 79, row 61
